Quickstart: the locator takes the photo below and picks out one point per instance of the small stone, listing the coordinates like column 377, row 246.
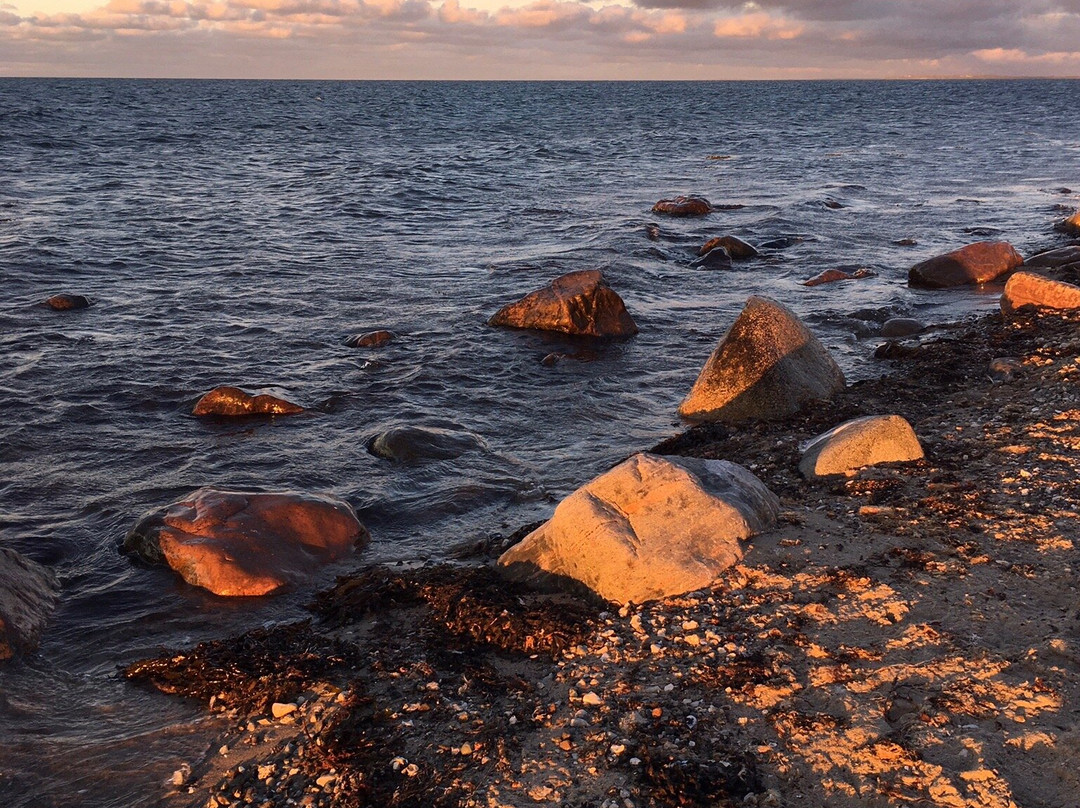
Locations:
column 591, row 699
column 466, row 749
column 411, row 770
column 280, row 710
column 325, row 780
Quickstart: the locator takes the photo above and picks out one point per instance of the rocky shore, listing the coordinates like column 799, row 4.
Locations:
column 906, row 635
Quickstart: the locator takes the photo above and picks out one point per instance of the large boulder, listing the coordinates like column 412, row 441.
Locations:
column 1030, row 289
column 860, row 442
column 1054, row 259
column 767, row 365
column 649, row 528
column 232, row 401
column 245, row 543
column 980, row 262
column 579, row 303
column 408, row 444
column 28, row 595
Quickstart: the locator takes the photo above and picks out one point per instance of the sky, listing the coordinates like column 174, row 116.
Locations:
column 540, row 39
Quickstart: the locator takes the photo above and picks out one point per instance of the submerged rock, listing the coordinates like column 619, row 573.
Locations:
column 579, row 303
column 232, row 401
column 980, row 262
column 832, row 275
column 767, row 366
column 649, row 528
column 241, row 543
column 1030, row 289
column 67, row 302
column 901, row 327
column 716, row 258
column 372, row 339
column 28, row 596
column 407, row 444
column 683, row 206
column 860, row 442
column 736, row 247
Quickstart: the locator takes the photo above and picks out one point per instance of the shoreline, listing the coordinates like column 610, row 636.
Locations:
column 907, row 635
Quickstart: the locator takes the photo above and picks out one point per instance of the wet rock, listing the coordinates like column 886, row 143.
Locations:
column 649, row 528
column 1030, row 289
column 782, row 243
column 716, row 258
column 860, row 442
column 652, row 232
column 736, row 247
column 408, row 444
column 1052, row 259
column 28, row 595
column 579, row 303
column 237, row 543
column 232, row 401
column 832, row 275
column 683, row 206
column 67, row 302
column 906, row 242
column 980, row 262
column 372, row 339
column 1005, row 369
column 1070, row 225
column 767, row 366
column 896, row 327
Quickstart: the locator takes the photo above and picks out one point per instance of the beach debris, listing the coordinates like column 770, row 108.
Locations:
column 372, row 339
column 976, row 263
column 649, row 528
column 243, row 543
column 860, row 442
column 408, row 444
column 29, row 593
column 1031, row 289
column 579, row 303
column 683, row 206
column 232, row 402
column 67, row 302
column 767, row 365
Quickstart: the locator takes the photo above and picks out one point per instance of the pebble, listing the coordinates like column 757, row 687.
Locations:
column 280, row 710
column 591, row 699
column 466, row 749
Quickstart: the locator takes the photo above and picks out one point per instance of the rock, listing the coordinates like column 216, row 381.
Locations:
column 244, row 543
column 1071, row 225
column 767, row 366
column 860, row 442
column 1005, row 369
column 1052, row 259
column 652, row 232
column 980, row 262
column 649, row 528
column 736, row 247
column 579, row 303
column 281, row 709
column 717, row 258
column 906, row 242
column 232, row 401
column 1030, row 289
column 407, row 444
column 783, row 242
column 28, row 595
column 831, row 275
column 372, row 339
column 683, row 206
column 67, row 302
column 901, row 327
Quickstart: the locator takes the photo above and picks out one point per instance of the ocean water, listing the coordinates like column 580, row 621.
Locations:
column 237, row 233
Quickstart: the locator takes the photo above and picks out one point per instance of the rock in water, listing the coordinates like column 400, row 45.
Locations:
column 1052, row 259
column 1070, row 225
column 716, row 258
column 579, row 303
column 649, row 528
column 232, row 401
column 28, row 595
column 901, row 327
column 766, row 366
column 1029, row 289
column 372, row 339
column 683, row 206
column 832, row 275
column 860, row 442
column 407, row 444
column 736, row 247
column 67, row 302
column 244, row 543
column 980, row 262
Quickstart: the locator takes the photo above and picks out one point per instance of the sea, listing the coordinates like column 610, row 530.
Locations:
column 238, row 232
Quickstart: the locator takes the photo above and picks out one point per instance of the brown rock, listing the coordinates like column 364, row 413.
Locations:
column 67, row 302
column 1070, row 225
column 980, row 262
column 736, row 247
column 716, row 258
column 683, row 206
column 831, row 275
column 237, row 543
column 1030, row 289
column 28, row 595
column 233, row 401
column 1053, row 259
column 860, row 442
column 579, row 303
column 372, row 339
column 767, row 366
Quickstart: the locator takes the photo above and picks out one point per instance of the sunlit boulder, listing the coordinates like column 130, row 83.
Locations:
column 579, row 303
column 976, row 263
column 1031, row 289
column 232, row 401
column 858, row 443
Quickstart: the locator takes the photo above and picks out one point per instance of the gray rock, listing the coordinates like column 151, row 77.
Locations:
column 408, row 444
column 767, row 365
column 651, row 527
column 858, row 443
column 1051, row 259
column 901, row 327
column 28, row 596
